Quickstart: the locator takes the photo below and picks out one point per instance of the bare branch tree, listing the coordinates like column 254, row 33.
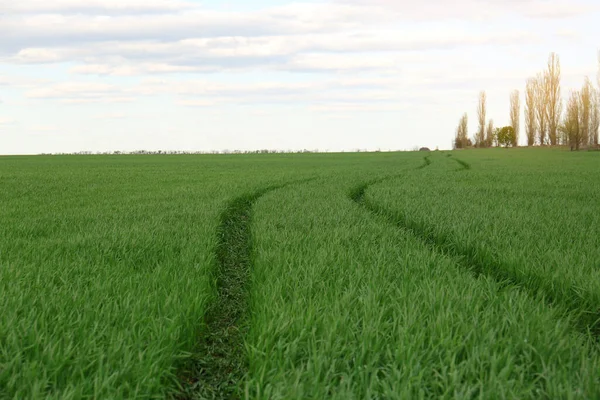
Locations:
column 595, row 117
column 515, row 115
column 595, row 122
column 461, row 140
column 489, row 134
column 570, row 125
column 585, row 112
column 530, row 111
column 552, row 96
column 481, row 114
column 541, row 108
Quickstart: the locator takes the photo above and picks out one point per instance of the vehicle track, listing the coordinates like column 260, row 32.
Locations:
column 359, row 191
column 463, row 164
column 585, row 318
column 219, row 363
column 426, row 163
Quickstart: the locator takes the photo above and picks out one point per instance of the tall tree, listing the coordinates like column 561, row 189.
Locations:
column 515, row 115
column 541, row 109
column 530, row 111
column 489, row 133
column 552, row 97
column 570, row 125
column 595, row 117
column 595, row 123
column 585, row 112
column 481, row 114
column 461, row 140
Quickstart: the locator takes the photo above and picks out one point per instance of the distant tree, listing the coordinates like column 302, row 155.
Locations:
column 515, row 115
column 570, row 125
column 553, row 97
column 461, row 140
column 481, row 116
column 489, row 134
column 541, row 109
column 496, row 136
column 530, row 111
column 595, row 122
column 506, row 136
column 595, row 118
column 585, row 112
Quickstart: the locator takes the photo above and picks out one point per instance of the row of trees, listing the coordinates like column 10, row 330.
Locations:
column 582, row 117
column 545, row 122
column 487, row 135
column 174, row 152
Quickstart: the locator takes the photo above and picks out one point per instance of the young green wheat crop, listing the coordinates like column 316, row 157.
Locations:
column 471, row 274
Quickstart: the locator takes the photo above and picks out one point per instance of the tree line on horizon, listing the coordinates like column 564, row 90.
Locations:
column 546, row 122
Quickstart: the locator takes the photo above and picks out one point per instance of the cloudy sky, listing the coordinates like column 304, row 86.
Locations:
column 105, row 75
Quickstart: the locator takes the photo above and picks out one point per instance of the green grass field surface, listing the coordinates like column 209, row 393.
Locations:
column 467, row 274
column 105, row 268
column 347, row 305
column 527, row 215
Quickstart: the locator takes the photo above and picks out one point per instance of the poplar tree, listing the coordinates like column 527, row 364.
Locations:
column 571, row 123
column 481, row 117
column 515, row 115
column 541, row 109
column 552, row 97
column 585, row 113
column 595, row 117
column 461, row 140
column 530, row 111
column 489, row 133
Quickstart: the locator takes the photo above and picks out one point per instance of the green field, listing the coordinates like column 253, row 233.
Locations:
column 464, row 274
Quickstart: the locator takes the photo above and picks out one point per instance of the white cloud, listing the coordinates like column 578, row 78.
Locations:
column 6, row 121
column 133, row 69
column 345, row 108
column 342, row 51
column 557, row 9
column 111, row 116
column 94, row 6
column 106, row 99
column 232, row 92
column 568, row 34
column 81, row 92
column 340, row 62
column 196, row 103
column 47, row 128
column 37, row 55
column 245, row 33
column 478, row 9
column 384, row 80
column 34, row 30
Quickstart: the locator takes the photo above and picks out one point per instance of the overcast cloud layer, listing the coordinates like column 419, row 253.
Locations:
column 104, row 75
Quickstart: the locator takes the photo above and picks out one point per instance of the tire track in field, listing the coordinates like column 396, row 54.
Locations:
column 426, row 163
column 359, row 191
column 463, row 164
column 219, row 364
column 585, row 317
